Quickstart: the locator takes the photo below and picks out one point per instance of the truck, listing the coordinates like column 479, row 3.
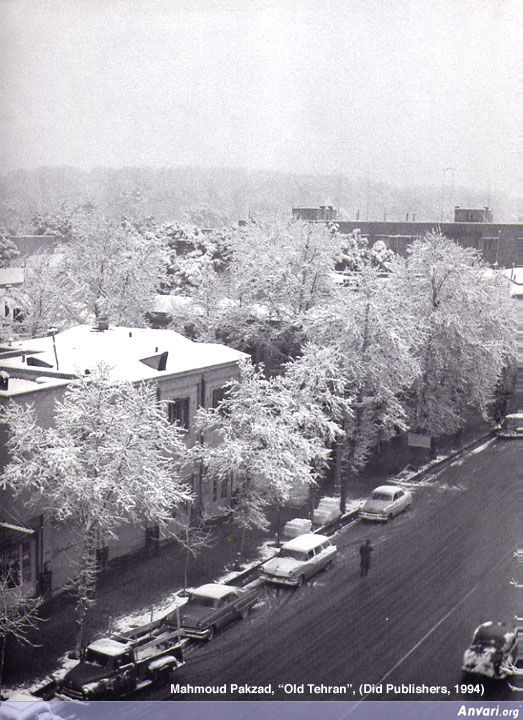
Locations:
column 116, row 666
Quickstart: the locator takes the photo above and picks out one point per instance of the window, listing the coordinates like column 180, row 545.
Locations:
column 15, row 564
column 214, row 490
column 178, row 411
column 217, row 396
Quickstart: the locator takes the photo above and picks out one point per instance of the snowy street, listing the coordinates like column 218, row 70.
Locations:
column 437, row 572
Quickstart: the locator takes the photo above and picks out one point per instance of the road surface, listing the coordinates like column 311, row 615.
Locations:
column 438, row 571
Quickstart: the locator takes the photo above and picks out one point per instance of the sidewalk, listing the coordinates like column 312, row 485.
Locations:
column 129, row 588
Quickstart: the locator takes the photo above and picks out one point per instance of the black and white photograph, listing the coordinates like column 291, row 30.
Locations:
column 261, row 366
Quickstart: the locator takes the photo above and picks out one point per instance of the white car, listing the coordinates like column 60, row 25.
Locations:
column 299, row 559
column 385, row 502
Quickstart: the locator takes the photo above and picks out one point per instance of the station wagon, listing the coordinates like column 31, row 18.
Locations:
column 299, row 559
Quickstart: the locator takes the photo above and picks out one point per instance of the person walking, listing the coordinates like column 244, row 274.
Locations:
column 365, row 551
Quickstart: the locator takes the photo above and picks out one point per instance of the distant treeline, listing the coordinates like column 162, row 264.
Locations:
column 213, row 197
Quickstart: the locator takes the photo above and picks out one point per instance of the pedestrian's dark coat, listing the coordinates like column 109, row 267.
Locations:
column 365, row 551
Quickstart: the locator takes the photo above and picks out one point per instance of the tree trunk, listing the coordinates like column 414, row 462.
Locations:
column 85, row 584
column 278, row 525
column 186, row 570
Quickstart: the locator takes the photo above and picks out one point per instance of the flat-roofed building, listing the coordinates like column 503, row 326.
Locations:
column 186, row 375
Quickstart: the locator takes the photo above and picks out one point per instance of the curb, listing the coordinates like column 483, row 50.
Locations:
column 245, row 576
column 452, row 456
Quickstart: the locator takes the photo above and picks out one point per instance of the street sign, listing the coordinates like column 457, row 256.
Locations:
column 417, row 440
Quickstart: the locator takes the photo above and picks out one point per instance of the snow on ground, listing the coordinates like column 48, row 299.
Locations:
column 404, row 478
column 265, row 552
column 135, row 620
column 481, row 447
column 64, row 665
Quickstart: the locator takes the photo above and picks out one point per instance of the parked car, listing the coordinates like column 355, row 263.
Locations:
column 299, row 559
column 115, row 666
column 493, row 652
column 385, row 502
column 511, row 427
column 210, row 607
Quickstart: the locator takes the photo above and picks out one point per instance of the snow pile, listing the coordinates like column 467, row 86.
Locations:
column 157, row 612
column 482, row 447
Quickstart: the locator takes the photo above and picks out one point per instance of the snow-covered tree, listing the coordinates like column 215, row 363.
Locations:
column 40, row 298
column 194, row 535
column 192, row 254
column 466, row 318
column 262, row 446
column 355, row 254
column 8, row 249
column 364, row 368
column 107, row 271
column 274, row 274
column 115, row 266
column 18, row 616
column 112, row 457
column 58, row 223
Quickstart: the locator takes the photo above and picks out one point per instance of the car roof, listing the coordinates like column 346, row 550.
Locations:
column 389, row 489
column 306, row 542
column 213, row 590
column 108, row 646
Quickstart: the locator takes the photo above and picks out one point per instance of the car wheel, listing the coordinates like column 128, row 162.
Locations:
column 211, row 633
column 301, row 580
column 389, row 516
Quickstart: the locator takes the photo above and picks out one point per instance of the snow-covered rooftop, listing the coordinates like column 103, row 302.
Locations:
column 132, row 353
column 11, row 276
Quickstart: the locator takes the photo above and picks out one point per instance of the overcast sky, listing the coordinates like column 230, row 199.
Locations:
column 400, row 89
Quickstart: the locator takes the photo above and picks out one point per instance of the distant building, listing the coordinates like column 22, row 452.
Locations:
column 32, row 245
column 187, row 375
column 13, row 274
column 323, row 213
column 475, row 215
column 499, row 243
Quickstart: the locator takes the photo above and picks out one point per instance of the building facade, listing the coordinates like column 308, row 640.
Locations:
column 40, row 554
column 500, row 244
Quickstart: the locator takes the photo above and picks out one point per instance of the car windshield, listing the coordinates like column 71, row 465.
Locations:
column 380, row 496
column 97, row 658
column 294, row 554
column 202, row 601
